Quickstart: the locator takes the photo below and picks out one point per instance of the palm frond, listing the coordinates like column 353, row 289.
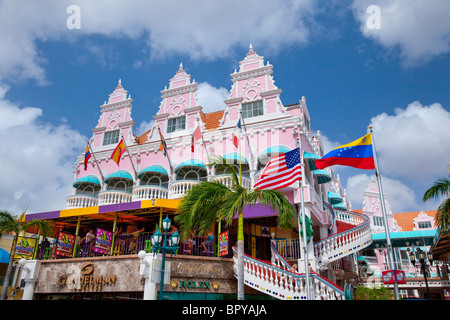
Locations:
column 440, row 188
column 442, row 217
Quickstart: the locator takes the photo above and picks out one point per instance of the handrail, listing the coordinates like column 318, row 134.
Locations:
column 341, row 244
column 285, row 284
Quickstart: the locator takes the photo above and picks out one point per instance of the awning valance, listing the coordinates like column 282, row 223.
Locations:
column 86, row 179
column 323, row 176
column 311, row 157
column 119, row 174
column 191, row 163
column 334, row 198
column 153, row 168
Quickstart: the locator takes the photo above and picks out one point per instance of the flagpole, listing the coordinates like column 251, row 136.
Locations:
column 129, row 154
column 304, row 242
column 203, row 141
column 95, row 159
column 166, row 152
column 252, row 158
column 383, row 209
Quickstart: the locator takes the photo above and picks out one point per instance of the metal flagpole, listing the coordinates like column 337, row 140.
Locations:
column 252, row 158
column 95, row 159
column 166, row 152
column 383, row 209
column 304, row 242
column 203, row 140
column 129, row 154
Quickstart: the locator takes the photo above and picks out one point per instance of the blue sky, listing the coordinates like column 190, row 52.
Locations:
column 395, row 77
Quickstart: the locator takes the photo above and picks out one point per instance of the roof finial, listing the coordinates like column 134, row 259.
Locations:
column 180, row 69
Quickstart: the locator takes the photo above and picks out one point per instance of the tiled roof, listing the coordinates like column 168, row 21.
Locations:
column 405, row 220
column 211, row 121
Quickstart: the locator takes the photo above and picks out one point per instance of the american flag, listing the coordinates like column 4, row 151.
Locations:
column 281, row 171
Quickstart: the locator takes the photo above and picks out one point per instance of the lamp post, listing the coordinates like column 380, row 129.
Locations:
column 422, row 256
column 167, row 246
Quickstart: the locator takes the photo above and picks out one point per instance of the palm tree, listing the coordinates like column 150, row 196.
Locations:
column 8, row 224
column 441, row 188
column 210, row 202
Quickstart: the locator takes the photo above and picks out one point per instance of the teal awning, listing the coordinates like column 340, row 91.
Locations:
column 334, row 198
column 4, row 256
column 236, row 156
column 190, row 163
column 311, row 157
column 340, row 206
column 322, row 176
column 275, row 149
column 119, row 174
column 154, row 168
column 87, row 179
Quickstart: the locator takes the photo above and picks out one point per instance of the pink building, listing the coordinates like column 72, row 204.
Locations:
column 145, row 175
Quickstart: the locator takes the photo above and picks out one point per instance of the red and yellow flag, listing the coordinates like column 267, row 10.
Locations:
column 118, row 151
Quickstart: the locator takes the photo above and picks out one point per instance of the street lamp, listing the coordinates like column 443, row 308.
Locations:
column 167, row 246
column 423, row 256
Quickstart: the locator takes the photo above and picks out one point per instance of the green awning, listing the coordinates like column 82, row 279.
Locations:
column 154, row 168
column 87, row 179
column 119, row 174
column 311, row 157
column 322, row 176
column 334, row 198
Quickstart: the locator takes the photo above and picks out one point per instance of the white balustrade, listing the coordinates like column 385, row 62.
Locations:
column 228, row 181
column 345, row 243
column 177, row 189
column 149, row 192
column 282, row 284
column 81, row 201
column 113, row 197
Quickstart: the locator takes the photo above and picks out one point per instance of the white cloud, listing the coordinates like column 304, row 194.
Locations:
column 399, row 196
column 37, row 159
column 420, row 30
column 211, row 98
column 413, row 143
column 202, row 29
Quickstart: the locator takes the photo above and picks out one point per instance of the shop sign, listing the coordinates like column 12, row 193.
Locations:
column 188, row 284
column 223, row 244
column 24, row 248
column 87, row 281
column 393, row 276
column 103, row 242
column 64, row 245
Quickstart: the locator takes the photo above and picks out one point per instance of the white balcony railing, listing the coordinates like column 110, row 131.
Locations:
column 227, row 181
column 113, row 197
column 81, row 201
column 178, row 188
column 149, row 192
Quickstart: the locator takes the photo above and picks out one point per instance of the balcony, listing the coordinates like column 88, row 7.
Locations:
column 149, row 192
column 114, row 197
column 179, row 188
column 81, row 201
column 227, row 181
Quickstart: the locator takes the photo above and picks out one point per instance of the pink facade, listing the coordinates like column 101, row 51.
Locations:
column 270, row 128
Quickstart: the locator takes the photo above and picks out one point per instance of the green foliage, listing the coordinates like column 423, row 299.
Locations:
column 441, row 188
column 376, row 293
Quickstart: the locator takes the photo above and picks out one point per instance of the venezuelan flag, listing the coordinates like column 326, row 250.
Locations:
column 87, row 156
column 118, row 151
column 357, row 154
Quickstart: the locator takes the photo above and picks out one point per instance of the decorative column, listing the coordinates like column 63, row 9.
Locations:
column 145, row 270
column 30, row 273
